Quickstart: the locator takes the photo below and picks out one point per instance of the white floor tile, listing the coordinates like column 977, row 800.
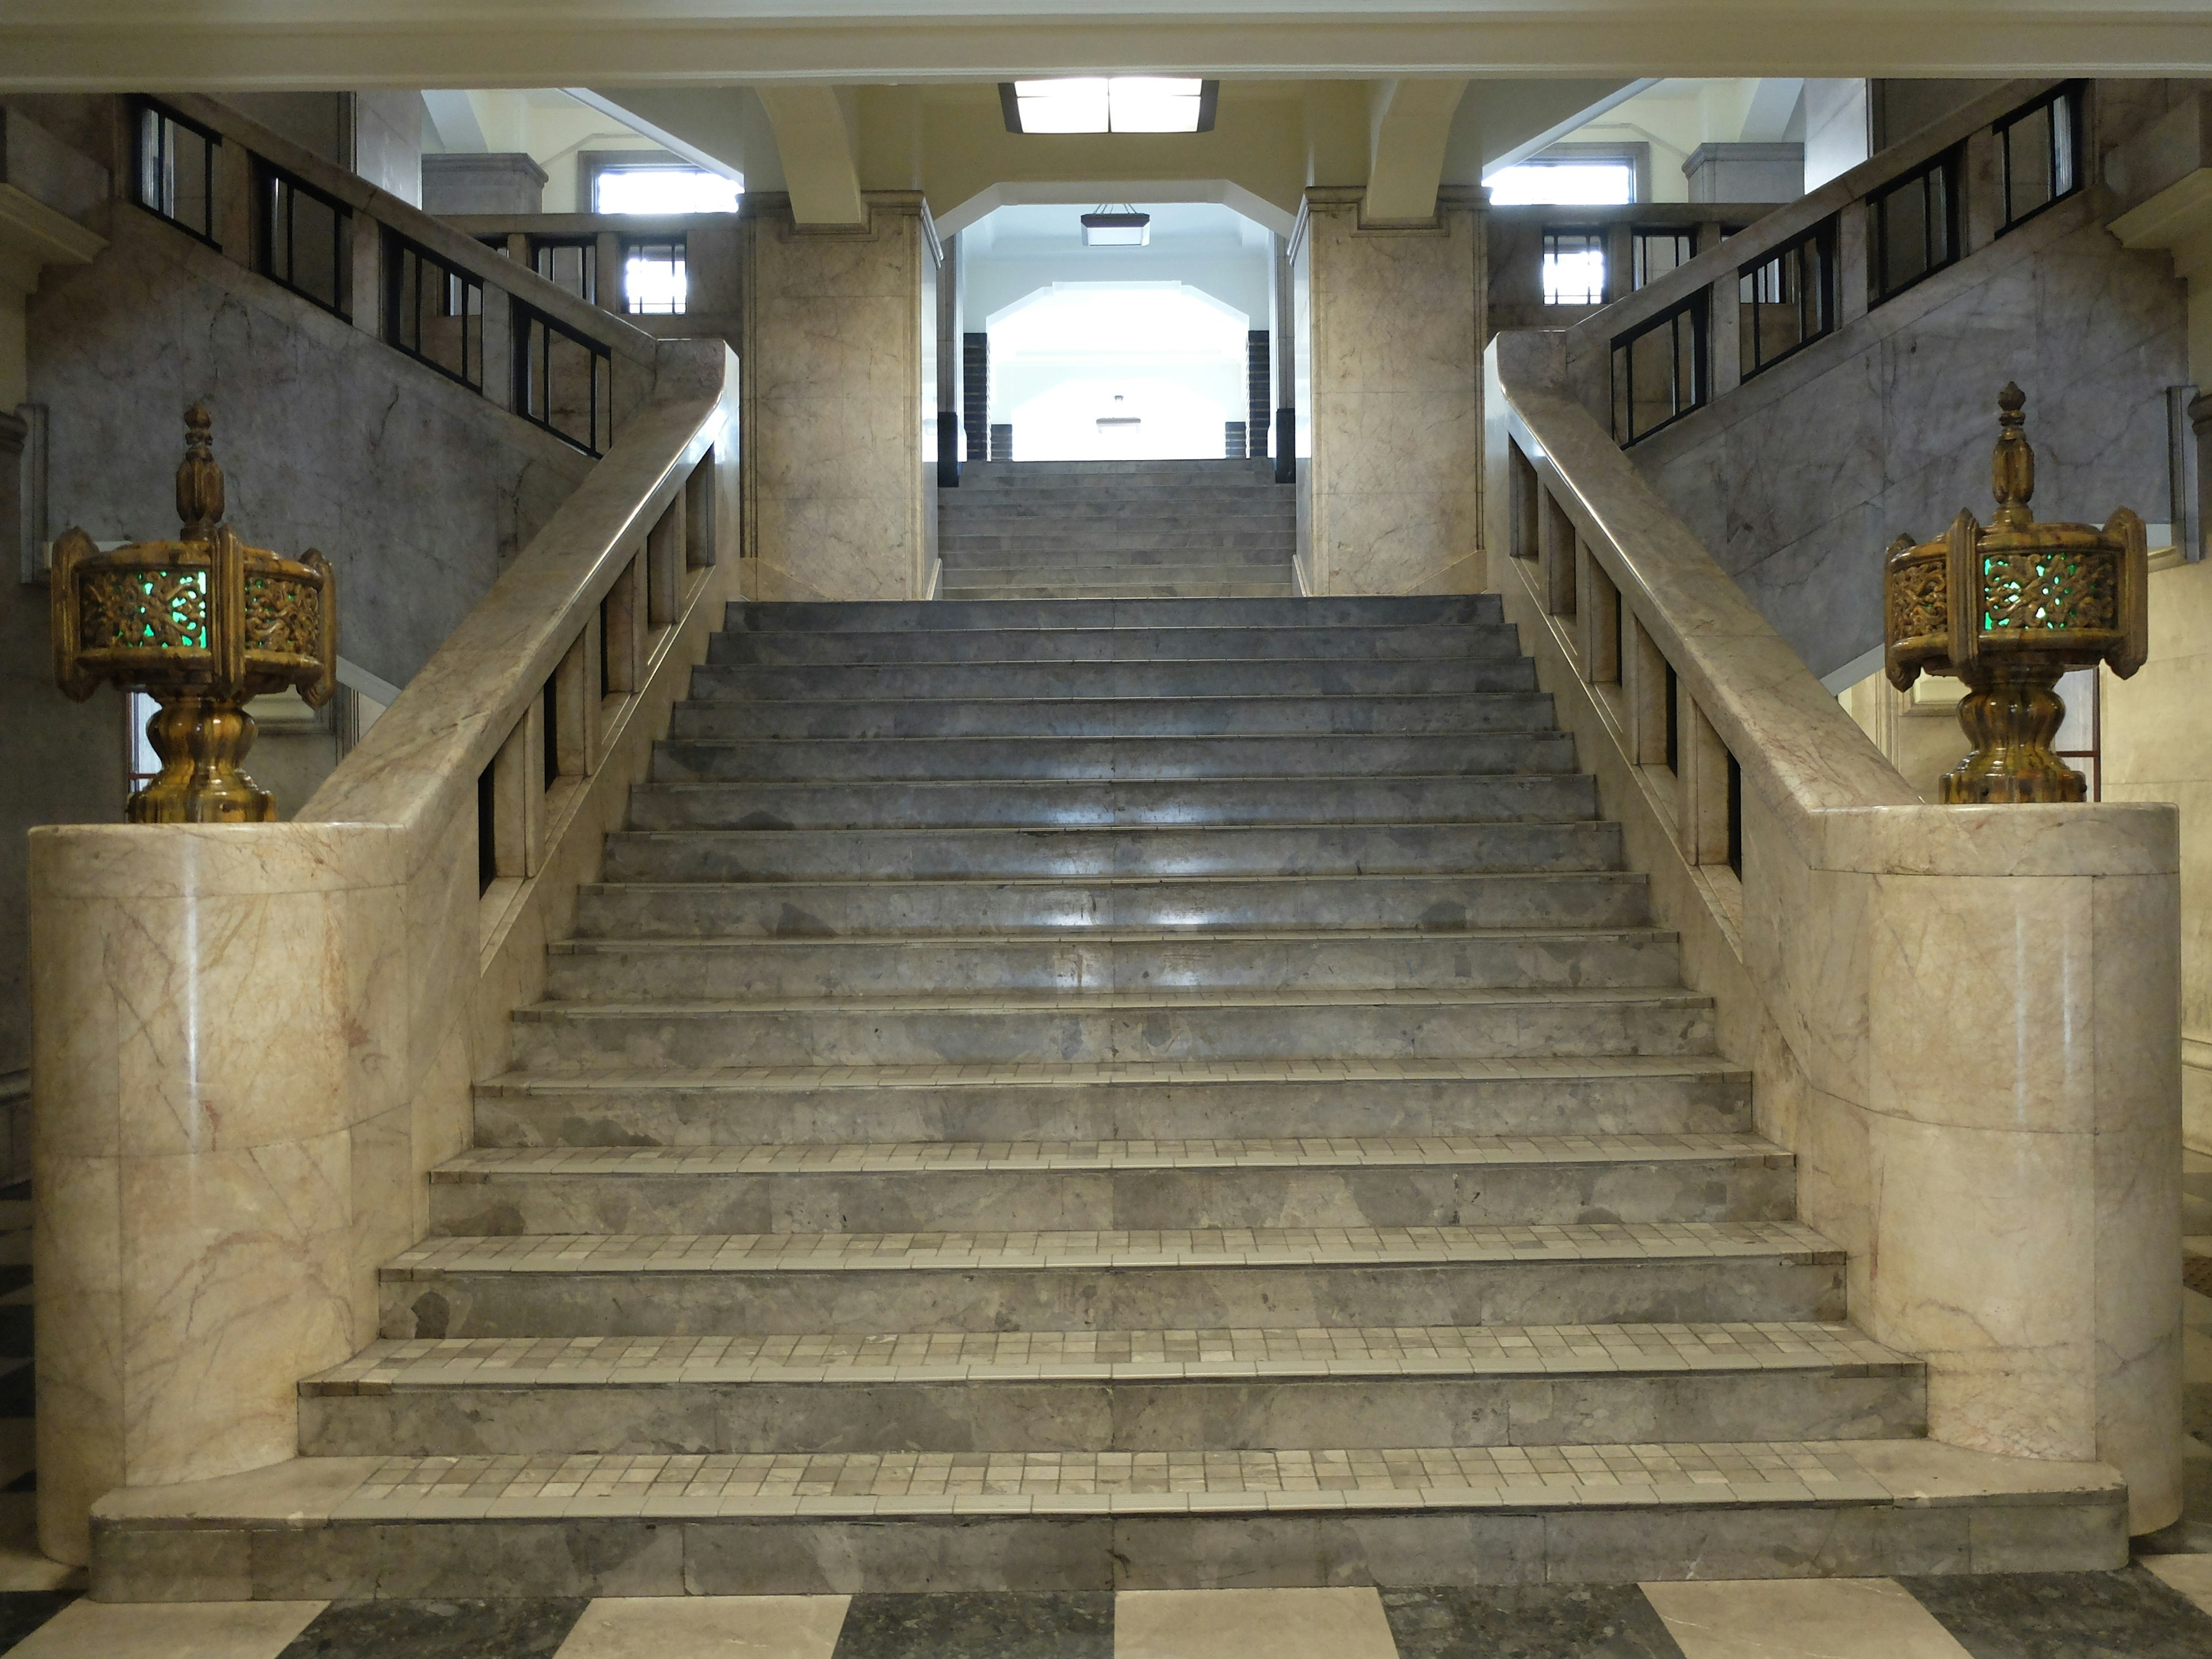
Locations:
column 2190, row 1574
column 1257, row 1624
column 169, row 1630
column 708, row 1627
column 1801, row 1618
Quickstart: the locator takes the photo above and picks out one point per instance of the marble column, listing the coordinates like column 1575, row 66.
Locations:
column 840, row 406
column 1392, row 491
column 220, row 1140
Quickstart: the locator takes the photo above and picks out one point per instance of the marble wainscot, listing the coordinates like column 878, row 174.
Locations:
column 250, row 1042
column 839, row 324
column 1391, row 453
column 1964, row 1022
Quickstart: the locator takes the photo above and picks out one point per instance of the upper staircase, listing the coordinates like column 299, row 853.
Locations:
column 1078, row 1094
column 1129, row 530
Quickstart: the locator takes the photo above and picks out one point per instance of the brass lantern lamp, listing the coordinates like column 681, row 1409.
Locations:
column 2007, row 609
column 202, row 624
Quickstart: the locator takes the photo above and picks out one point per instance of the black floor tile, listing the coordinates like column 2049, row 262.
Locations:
column 23, row 1611
column 979, row 1625
column 2129, row 1614
column 531, row 1629
column 1531, row 1621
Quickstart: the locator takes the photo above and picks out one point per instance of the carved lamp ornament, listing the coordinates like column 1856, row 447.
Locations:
column 2009, row 608
column 202, row 624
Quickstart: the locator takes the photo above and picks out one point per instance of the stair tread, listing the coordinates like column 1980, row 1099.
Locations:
column 1304, row 1151
column 1500, row 1351
column 1051, row 1074
column 1065, row 934
column 1110, row 1000
column 903, row 883
column 315, row 1491
column 1243, row 1247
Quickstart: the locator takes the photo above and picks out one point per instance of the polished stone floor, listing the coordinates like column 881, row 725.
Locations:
column 2146, row 1612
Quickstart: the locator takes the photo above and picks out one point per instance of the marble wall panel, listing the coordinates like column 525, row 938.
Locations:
column 1390, row 499
column 839, row 326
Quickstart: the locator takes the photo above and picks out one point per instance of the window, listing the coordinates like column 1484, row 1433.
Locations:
column 1915, row 225
column 1659, row 249
column 2041, row 150
column 1119, row 103
column 1574, row 265
column 661, row 187
column 176, row 170
column 569, row 262
column 433, row 311
column 653, row 280
column 307, row 240
column 563, row 380
column 1604, row 176
column 1788, row 300
column 1659, row 370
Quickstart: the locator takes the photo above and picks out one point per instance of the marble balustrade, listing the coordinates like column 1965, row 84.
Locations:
column 1963, row 1021
column 251, row 1041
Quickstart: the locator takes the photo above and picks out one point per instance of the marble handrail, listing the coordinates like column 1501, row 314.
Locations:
column 1964, row 1022
column 455, row 247
column 454, row 714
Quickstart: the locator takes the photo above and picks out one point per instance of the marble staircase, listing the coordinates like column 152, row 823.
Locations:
column 1132, row 530
column 1078, row 1094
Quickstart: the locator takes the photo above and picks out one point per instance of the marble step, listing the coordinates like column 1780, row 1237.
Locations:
column 1188, row 1518
column 1085, row 759
column 1135, row 1100
column 1062, row 804
column 1306, row 619
column 1387, row 642
column 1196, row 908
column 1199, row 1026
column 972, row 533
column 710, row 1284
column 1020, row 682
column 1107, row 586
column 1434, row 1181
column 1080, row 960
column 1131, row 716
column 1089, row 1391
column 1108, row 497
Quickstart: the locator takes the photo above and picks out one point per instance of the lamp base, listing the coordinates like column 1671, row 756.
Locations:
column 2011, row 711
column 200, row 741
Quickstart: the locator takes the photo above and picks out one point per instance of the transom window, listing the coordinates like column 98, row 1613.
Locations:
column 659, row 187
column 1566, row 181
column 1115, row 103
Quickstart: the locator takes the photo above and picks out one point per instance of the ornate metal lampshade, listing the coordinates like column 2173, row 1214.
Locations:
column 2009, row 608
column 202, row 624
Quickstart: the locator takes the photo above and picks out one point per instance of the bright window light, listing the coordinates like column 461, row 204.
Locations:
column 1563, row 184
column 663, row 190
column 1122, row 103
column 1574, row 267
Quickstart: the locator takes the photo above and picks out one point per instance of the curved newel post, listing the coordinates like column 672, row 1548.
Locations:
column 251, row 1040
column 1963, row 1021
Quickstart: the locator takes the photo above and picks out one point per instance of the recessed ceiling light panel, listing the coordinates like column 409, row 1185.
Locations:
column 1120, row 103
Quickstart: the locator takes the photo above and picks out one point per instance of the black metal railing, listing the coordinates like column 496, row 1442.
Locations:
column 1913, row 227
column 1787, row 299
column 433, row 310
column 563, row 380
column 307, row 240
column 175, row 170
column 1659, row 373
column 2040, row 154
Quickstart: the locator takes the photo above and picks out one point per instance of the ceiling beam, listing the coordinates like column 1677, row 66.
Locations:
column 815, row 136
column 1410, row 124
column 119, row 44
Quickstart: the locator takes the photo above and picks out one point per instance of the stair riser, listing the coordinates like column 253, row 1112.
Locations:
column 970, row 1037
column 1439, row 1194
column 1108, row 587
column 1187, row 542
column 1020, row 682
column 799, row 968
column 1450, row 875
column 1127, row 644
column 1481, row 614
column 922, row 760
column 1124, row 804
column 1162, row 717
column 981, row 557
column 1246, row 1549
column 739, row 1302
column 1079, row 1416
column 1444, row 905
column 648, row 1116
